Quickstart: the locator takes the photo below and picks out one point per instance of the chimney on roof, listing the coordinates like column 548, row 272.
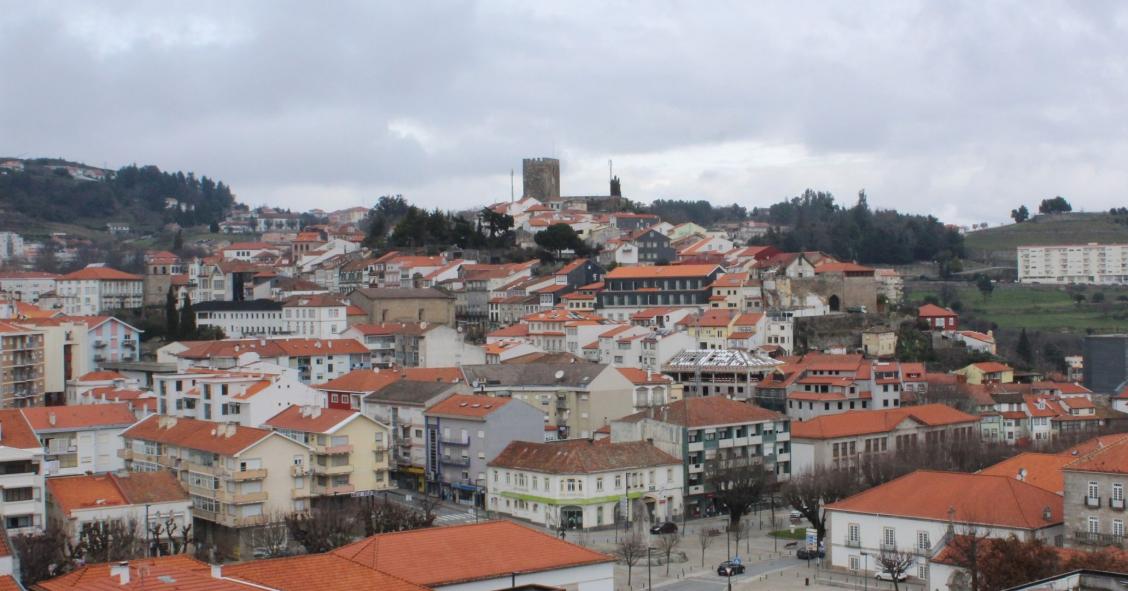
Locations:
column 217, row 571
column 1021, row 474
column 314, row 411
column 51, row 418
column 121, row 572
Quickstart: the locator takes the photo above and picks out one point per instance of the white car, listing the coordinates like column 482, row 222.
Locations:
column 795, row 514
column 888, row 576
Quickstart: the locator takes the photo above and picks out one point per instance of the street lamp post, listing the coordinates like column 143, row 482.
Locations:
column 865, row 569
column 649, row 587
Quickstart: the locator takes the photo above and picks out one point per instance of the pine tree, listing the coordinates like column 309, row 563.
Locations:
column 172, row 320
column 1023, row 349
column 187, row 319
column 178, row 241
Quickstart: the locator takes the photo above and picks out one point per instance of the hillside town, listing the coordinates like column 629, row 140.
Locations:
column 321, row 410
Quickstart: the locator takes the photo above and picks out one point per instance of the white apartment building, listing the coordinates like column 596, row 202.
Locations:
column 249, row 395
column 98, row 289
column 243, row 319
column 75, row 501
column 27, row 286
column 80, row 439
column 579, row 484
column 1101, row 264
column 21, row 475
column 319, row 316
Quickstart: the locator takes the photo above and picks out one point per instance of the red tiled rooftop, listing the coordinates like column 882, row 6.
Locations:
column 77, row 417
column 310, row 420
column 862, row 422
column 466, row 405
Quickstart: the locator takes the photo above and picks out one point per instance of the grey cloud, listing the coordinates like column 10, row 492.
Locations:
column 959, row 109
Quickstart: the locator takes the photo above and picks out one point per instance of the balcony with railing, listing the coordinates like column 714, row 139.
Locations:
column 332, row 450
column 853, row 543
column 455, row 440
column 297, row 470
column 241, row 475
column 1116, row 504
column 1088, row 538
column 455, row 461
column 338, row 489
column 1093, row 502
column 328, row 470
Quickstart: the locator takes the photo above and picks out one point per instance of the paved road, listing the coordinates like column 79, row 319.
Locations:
column 710, row 580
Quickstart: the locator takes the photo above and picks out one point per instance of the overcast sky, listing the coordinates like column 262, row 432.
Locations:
column 961, row 110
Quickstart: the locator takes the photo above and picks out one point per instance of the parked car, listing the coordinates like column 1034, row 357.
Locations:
column 888, row 576
column 796, row 515
column 805, row 554
column 666, row 527
column 729, row 568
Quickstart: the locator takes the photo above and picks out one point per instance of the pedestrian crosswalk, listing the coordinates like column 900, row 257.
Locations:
column 452, row 518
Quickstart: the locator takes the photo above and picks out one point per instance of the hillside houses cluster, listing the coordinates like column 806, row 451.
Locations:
column 576, row 395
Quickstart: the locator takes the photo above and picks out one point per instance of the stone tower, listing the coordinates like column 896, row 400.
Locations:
column 541, row 177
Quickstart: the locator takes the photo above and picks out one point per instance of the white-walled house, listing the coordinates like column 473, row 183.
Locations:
column 80, row 439
column 579, row 483
column 75, row 501
column 914, row 513
column 320, row 316
column 98, row 289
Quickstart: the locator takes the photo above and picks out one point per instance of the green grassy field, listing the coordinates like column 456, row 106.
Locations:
column 1037, row 307
column 998, row 244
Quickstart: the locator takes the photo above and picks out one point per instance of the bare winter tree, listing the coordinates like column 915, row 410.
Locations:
column 808, row 493
column 666, row 545
column 629, row 550
column 273, row 537
column 323, row 528
column 429, row 504
column 738, row 482
column 381, row 517
column 896, row 563
column 179, row 536
column 109, row 541
column 705, row 540
column 968, row 548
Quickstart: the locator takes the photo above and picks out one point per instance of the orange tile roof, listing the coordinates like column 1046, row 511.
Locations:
column 15, row 430
column 1095, row 443
column 100, row 273
column 317, row 572
column 441, row 556
column 77, row 417
column 327, row 419
column 8, row 583
column 197, row 434
column 992, row 367
column 580, row 456
column 448, row 375
column 513, row 330
column 976, row 498
column 1039, row 469
column 467, row 406
column 361, row 380
column 706, row 411
column 178, row 572
column 660, row 271
column 863, row 422
column 100, row 376
column 1109, row 459
column 641, row 377
column 90, row 491
column 932, row 311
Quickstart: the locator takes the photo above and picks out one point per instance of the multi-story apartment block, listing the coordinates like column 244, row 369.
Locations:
column 248, row 395
column 98, row 289
column 349, row 451
column 80, row 439
column 1101, row 264
column 579, row 483
column 1094, row 496
column 316, row 360
column 21, row 366
column 237, row 477
column 111, row 340
column 577, row 398
column 846, row 439
column 464, row 432
column 242, row 319
column 705, row 430
column 724, row 372
column 415, row 344
column 27, row 286
column 819, row 384
column 21, row 475
column 66, row 352
column 398, row 402
column 86, row 499
column 631, row 289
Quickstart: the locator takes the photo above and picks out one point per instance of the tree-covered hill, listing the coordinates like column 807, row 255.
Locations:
column 59, row 191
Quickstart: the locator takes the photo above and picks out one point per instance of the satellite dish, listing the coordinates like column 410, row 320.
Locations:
column 559, row 374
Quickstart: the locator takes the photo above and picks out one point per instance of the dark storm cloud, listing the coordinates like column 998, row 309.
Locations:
column 959, row 109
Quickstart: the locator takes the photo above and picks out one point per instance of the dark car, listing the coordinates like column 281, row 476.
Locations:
column 667, row 527
column 729, row 568
column 805, row 554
